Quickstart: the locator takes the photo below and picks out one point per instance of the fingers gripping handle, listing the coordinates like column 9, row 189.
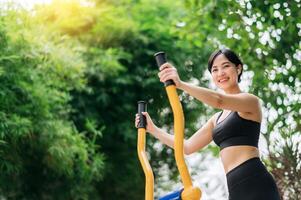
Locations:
column 161, row 59
column 142, row 107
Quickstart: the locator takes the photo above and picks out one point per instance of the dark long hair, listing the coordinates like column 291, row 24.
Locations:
column 229, row 54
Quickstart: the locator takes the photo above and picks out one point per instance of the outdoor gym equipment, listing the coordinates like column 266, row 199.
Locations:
column 189, row 192
column 149, row 176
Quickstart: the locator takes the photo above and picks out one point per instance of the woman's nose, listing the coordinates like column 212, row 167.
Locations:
column 221, row 72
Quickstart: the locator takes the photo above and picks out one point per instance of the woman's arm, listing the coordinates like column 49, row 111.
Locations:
column 200, row 139
column 164, row 137
column 154, row 130
column 197, row 141
column 207, row 96
column 242, row 102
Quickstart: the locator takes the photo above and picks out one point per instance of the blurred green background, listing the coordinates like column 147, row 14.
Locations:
column 72, row 71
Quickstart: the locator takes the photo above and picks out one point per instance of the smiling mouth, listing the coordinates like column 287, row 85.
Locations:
column 223, row 80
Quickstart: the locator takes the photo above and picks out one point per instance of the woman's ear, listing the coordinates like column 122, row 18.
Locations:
column 239, row 69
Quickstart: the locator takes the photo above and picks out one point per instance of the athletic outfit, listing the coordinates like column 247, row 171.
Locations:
column 250, row 180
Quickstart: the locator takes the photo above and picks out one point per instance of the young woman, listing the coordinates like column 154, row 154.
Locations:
column 235, row 129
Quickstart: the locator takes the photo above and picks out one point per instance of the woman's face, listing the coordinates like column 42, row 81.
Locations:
column 224, row 73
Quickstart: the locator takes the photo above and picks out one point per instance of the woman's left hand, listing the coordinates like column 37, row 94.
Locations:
column 169, row 72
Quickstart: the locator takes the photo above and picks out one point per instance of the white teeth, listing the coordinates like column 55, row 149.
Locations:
column 222, row 80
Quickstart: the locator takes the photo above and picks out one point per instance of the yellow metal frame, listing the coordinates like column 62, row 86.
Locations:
column 149, row 176
column 190, row 192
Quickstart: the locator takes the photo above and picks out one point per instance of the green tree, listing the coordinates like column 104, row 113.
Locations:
column 267, row 35
column 72, row 72
column 120, row 39
column 43, row 156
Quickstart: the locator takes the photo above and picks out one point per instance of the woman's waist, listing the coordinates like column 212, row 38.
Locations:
column 233, row 156
column 251, row 170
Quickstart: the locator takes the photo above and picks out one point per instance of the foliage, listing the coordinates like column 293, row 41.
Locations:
column 72, row 71
column 112, row 97
column 267, row 36
column 42, row 154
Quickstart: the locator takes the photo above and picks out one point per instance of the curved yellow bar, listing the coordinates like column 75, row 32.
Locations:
column 148, row 172
column 190, row 192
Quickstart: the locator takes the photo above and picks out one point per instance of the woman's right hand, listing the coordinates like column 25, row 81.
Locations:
column 150, row 126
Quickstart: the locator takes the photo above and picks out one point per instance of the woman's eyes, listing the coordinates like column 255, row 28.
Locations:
column 215, row 69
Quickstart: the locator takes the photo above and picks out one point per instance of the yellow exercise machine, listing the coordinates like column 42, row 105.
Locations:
column 149, row 176
column 189, row 192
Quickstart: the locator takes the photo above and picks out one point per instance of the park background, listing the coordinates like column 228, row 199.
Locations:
column 72, row 71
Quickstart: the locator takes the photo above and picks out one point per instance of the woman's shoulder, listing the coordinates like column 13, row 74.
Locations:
column 252, row 99
column 250, row 95
column 255, row 98
column 256, row 115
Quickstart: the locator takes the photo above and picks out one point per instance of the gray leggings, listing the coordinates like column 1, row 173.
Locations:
column 251, row 181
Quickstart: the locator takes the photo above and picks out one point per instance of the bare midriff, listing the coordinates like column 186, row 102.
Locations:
column 235, row 155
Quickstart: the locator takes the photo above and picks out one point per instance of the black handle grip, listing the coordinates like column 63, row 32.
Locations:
column 161, row 59
column 142, row 107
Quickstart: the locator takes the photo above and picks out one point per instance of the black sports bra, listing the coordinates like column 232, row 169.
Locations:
column 235, row 130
